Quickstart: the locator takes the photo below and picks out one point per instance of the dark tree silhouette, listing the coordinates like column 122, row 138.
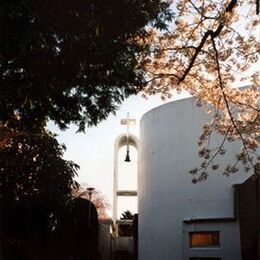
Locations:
column 35, row 185
column 72, row 61
column 79, row 224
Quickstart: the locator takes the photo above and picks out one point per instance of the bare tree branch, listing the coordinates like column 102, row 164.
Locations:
column 213, row 35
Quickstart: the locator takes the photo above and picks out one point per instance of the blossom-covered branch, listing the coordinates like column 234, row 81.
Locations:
column 210, row 50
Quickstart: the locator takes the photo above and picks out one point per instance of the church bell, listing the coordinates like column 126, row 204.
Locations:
column 127, row 157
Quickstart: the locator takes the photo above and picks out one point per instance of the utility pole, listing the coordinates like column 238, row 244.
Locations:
column 90, row 191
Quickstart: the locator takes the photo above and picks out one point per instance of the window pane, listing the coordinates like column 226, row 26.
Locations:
column 204, row 239
column 205, row 258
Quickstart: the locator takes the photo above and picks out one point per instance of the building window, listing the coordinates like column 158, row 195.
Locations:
column 205, row 258
column 204, row 239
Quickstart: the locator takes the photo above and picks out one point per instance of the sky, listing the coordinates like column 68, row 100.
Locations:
column 93, row 150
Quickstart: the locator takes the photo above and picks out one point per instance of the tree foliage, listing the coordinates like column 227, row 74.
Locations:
column 127, row 215
column 126, row 229
column 72, row 61
column 35, row 186
column 97, row 198
column 77, row 234
column 210, row 49
column 37, row 168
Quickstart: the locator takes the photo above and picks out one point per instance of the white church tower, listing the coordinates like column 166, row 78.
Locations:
column 127, row 140
column 124, row 228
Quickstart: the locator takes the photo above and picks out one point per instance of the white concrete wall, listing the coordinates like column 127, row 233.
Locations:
column 168, row 150
column 229, row 241
column 105, row 238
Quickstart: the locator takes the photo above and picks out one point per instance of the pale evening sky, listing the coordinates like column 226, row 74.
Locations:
column 93, row 150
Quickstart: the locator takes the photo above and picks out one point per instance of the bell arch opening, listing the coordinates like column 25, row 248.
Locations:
column 125, row 175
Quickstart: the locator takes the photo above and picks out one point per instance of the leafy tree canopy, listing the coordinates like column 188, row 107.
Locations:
column 127, row 215
column 35, row 187
column 72, row 61
column 32, row 167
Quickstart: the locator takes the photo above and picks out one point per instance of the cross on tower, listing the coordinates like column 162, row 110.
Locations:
column 127, row 121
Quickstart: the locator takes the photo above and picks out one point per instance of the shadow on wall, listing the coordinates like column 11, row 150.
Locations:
column 249, row 217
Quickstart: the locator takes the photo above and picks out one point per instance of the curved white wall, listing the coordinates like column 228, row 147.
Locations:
column 168, row 150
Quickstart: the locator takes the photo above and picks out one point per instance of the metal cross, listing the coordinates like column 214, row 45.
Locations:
column 128, row 121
